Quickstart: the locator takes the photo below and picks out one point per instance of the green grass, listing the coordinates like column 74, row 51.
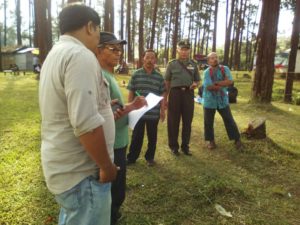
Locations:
column 259, row 186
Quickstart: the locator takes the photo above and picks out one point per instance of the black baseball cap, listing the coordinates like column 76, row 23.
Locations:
column 110, row 38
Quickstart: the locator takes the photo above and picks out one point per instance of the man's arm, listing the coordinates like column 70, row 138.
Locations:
column 130, row 96
column 163, row 107
column 95, row 145
column 196, row 81
column 213, row 87
column 224, row 83
column 137, row 103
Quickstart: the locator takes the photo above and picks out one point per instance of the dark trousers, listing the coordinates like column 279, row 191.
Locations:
column 119, row 184
column 181, row 105
column 138, row 138
column 230, row 125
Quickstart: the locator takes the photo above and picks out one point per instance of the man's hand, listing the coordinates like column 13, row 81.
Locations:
column 214, row 87
column 162, row 115
column 139, row 102
column 108, row 174
column 193, row 86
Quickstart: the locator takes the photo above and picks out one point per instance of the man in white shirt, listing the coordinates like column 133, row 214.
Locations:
column 77, row 122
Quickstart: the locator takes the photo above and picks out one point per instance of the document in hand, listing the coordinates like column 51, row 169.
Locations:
column 135, row 115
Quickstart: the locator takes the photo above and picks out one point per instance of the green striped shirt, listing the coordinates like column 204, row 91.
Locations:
column 144, row 84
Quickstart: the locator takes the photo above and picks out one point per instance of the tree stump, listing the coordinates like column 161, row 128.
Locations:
column 256, row 129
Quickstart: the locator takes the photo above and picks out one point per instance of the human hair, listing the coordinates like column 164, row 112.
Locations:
column 211, row 54
column 149, row 50
column 74, row 17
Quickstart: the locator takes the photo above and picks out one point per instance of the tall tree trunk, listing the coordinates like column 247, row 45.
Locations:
column 122, row 19
column 195, row 43
column 41, row 34
column 293, row 55
column 1, row 68
column 175, row 33
column 19, row 22
column 266, row 46
column 128, row 28
column 253, row 39
column 141, row 32
column 109, row 15
column 208, row 32
column 241, row 35
column 215, row 26
column 233, row 42
column 248, row 43
column 169, row 31
column 231, row 51
column 228, row 34
column 5, row 23
column 30, row 22
column 237, row 35
column 154, row 16
column 49, row 26
column 133, row 22
column 226, row 19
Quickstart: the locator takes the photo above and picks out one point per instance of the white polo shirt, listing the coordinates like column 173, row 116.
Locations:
column 74, row 99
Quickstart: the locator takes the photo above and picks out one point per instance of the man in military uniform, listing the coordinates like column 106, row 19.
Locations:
column 182, row 77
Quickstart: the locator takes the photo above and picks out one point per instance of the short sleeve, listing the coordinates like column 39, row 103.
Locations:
column 196, row 74
column 131, row 83
column 168, row 73
column 228, row 73
column 163, row 86
column 206, row 79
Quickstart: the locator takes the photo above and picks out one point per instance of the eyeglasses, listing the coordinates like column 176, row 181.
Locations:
column 114, row 50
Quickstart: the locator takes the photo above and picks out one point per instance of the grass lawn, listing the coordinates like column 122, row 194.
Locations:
column 259, row 186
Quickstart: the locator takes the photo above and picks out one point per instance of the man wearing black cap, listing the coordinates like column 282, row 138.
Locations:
column 108, row 55
column 77, row 122
column 182, row 77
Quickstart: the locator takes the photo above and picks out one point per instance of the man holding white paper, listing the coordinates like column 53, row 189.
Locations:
column 144, row 81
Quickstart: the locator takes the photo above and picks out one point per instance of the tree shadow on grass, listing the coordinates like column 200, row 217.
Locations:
column 18, row 103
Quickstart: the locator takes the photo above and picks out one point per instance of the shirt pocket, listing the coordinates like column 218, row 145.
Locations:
column 104, row 96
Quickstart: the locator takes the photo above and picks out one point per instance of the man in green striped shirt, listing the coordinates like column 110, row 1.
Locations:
column 144, row 81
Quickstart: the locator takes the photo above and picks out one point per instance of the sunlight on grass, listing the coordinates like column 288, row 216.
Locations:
column 259, row 186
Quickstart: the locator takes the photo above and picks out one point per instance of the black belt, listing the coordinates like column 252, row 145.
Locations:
column 182, row 88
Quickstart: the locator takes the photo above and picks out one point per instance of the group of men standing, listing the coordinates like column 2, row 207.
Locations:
column 84, row 117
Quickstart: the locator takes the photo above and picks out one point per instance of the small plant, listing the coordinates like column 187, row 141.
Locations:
column 297, row 99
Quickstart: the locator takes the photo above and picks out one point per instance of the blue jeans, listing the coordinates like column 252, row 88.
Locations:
column 230, row 125
column 88, row 203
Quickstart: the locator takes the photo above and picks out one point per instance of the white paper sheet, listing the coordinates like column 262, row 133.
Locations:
column 135, row 115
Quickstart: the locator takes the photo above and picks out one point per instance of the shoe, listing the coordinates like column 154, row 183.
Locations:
column 115, row 218
column 175, row 152
column 186, row 152
column 151, row 162
column 238, row 145
column 129, row 162
column 211, row 145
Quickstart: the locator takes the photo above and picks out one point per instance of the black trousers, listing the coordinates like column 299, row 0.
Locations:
column 138, row 138
column 181, row 105
column 119, row 184
column 230, row 125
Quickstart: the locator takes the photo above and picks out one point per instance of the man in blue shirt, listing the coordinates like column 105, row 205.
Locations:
column 215, row 82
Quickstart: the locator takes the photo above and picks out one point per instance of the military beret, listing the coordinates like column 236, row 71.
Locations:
column 184, row 43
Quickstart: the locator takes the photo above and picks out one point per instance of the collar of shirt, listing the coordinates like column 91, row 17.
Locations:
column 152, row 72
column 69, row 38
